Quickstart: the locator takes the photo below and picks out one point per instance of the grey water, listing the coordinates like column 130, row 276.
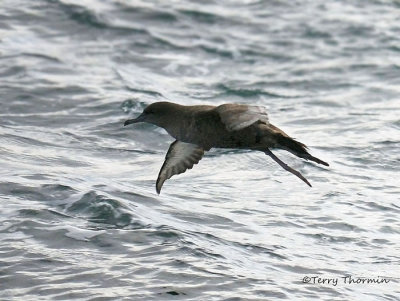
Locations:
column 80, row 218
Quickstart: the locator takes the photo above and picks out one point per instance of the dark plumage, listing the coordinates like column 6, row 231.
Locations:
column 199, row 128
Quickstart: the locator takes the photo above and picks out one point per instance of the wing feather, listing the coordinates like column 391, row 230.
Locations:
column 180, row 157
column 237, row 116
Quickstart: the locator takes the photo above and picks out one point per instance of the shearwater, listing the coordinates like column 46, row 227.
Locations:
column 199, row 128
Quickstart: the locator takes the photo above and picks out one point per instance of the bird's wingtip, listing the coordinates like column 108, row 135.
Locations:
column 158, row 188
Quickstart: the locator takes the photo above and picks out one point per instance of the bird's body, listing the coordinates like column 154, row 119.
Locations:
column 200, row 128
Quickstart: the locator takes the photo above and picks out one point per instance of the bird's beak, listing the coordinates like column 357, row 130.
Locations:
column 140, row 118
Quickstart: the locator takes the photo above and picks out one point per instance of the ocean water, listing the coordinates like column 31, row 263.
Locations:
column 80, row 218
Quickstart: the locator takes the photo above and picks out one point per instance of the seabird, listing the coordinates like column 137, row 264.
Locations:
column 199, row 128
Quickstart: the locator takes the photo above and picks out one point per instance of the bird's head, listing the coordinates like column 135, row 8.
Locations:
column 155, row 113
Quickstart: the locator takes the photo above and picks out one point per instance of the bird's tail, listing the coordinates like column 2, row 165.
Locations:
column 297, row 148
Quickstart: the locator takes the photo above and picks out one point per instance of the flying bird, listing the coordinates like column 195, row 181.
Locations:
column 199, row 128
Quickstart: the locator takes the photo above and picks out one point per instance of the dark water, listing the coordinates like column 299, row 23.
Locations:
column 80, row 219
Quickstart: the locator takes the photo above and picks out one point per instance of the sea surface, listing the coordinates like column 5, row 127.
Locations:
column 80, row 218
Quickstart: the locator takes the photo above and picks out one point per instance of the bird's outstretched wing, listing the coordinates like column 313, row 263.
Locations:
column 237, row 116
column 180, row 157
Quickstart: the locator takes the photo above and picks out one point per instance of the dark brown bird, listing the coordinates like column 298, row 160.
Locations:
column 199, row 128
